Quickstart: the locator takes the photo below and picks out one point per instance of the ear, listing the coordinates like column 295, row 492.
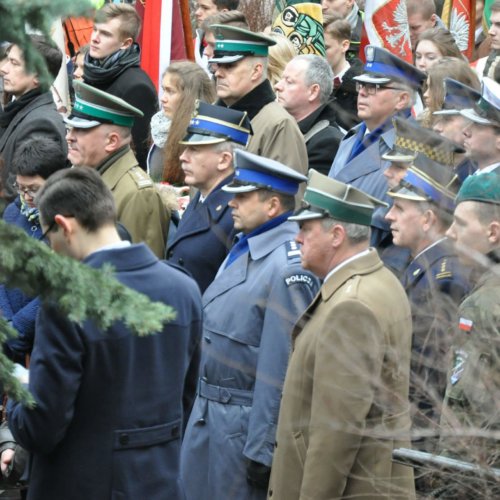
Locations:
column 403, row 100
column 494, row 233
column 429, row 221
column 225, row 161
column 314, row 91
column 66, row 224
column 257, row 72
column 345, row 45
column 127, row 43
column 338, row 235
column 274, row 207
column 113, row 142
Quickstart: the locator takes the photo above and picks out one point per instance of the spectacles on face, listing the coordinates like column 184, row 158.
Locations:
column 373, row 88
column 48, row 230
column 26, row 191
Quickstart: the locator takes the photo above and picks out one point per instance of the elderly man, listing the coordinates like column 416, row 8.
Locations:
column 113, row 65
column 470, row 408
column 249, row 310
column 240, row 67
column 386, row 89
column 344, row 407
column 109, row 405
column 304, row 91
column 99, row 137
column 205, row 233
column 32, row 112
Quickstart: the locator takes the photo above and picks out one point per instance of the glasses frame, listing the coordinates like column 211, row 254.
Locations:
column 373, row 88
column 24, row 191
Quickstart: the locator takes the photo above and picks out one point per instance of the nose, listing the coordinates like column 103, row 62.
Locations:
column 389, row 216
column 279, row 86
column 70, row 135
column 299, row 238
column 450, row 233
column 183, row 156
column 467, row 130
column 232, row 203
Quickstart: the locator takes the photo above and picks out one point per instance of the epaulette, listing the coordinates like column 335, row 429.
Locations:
column 141, row 178
column 292, row 251
column 443, row 272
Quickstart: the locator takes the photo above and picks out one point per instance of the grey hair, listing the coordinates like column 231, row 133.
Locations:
column 318, row 72
column 227, row 146
column 356, row 233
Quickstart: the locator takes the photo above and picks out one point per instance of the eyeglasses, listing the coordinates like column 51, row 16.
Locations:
column 48, row 230
column 373, row 88
column 31, row 191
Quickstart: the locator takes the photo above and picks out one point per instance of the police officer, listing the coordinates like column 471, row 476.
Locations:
column 249, row 310
column 470, row 407
column 99, row 137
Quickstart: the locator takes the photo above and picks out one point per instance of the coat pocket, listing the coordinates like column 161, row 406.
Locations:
column 299, row 443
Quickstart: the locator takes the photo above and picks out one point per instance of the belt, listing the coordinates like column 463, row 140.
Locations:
column 225, row 395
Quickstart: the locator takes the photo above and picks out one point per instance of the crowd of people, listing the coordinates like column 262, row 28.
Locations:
column 335, row 269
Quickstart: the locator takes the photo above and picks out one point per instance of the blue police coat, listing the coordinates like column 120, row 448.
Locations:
column 249, row 311
column 435, row 282
column 204, row 236
column 108, row 419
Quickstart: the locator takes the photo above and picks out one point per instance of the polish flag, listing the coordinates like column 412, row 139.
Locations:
column 460, row 18
column 386, row 25
column 166, row 35
column 465, row 324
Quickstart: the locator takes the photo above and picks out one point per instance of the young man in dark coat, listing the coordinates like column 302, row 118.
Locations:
column 205, row 233
column 110, row 404
column 112, row 65
column 32, row 112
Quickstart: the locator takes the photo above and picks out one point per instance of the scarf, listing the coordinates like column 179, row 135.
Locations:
column 102, row 72
column 160, row 127
column 13, row 107
column 241, row 247
column 32, row 214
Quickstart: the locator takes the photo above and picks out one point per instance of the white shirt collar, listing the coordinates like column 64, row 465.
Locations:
column 347, row 261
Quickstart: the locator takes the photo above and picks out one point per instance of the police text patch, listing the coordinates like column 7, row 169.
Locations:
column 299, row 278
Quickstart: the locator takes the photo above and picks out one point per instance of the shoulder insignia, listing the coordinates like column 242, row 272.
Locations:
column 416, row 271
column 299, row 278
column 444, row 272
column 218, row 208
column 292, row 250
column 141, row 178
column 465, row 324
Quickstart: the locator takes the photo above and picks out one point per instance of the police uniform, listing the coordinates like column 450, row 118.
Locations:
column 249, row 310
column 473, row 386
column 434, row 281
column 205, row 233
column 139, row 205
column 345, row 396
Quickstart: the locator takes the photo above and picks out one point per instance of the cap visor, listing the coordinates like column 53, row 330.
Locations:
column 306, row 214
column 368, row 78
column 239, row 188
column 76, row 122
column 226, row 59
column 471, row 115
column 399, row 157
column 406, row 194
column 201, row 139
column 449, row 112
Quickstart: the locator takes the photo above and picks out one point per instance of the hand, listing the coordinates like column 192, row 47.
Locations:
column 6, row 459
column 22, row 374
column 258, row 475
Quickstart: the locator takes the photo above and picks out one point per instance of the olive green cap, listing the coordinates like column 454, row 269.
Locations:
column 482, row 187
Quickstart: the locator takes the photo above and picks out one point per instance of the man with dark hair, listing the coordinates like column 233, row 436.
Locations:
column 205, row 233
column 421, row 17
column 110, row 405
column 99, row 137
column 33, row 111
column 249, row 309
column 112, row 65
column 304, row 91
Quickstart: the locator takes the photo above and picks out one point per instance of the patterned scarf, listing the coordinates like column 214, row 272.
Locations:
column 32, row 214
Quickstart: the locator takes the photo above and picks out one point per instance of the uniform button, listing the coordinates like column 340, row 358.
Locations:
column 270, row 493
column 201, row 421
column 175, row 431
column 207, row 339
column 123, row 439
column 170, row 254
column 181, row 261
column 276, row 444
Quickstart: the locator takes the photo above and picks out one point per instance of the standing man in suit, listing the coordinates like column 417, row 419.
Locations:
column 345, row 398
column 386, row 89
column 205, row 233
column 32, row 112
column 110, row 405
column 249, row 310
column 112, row 64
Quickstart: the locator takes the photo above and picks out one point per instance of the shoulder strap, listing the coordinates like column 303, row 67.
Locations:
column 317, row 127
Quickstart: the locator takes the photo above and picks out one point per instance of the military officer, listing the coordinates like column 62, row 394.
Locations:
column 473, row 388
column 434, row 279
column 99, row 137
column 345, row 397
column 249, row 310
column 205, row 233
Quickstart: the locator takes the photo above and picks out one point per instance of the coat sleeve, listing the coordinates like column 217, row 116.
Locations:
column 146, row 218
column 347, row 367
column 55, row 375
column 24, row 323
column 322, row 148
column 289, row 297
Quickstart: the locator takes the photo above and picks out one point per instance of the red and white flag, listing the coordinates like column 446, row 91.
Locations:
column 166, row 35
column 386, row 25
column 460, row 18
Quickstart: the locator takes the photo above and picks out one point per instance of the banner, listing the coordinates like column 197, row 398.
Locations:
column 459, row 16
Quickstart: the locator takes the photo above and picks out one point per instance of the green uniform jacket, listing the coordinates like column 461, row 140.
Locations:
column 139, row 205
column 473, row 388
column 345, row 398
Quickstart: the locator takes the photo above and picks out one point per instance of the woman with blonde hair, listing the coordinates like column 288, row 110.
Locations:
column 447, row 67
column 182, row 83
column 434, row 44
column 279, row 56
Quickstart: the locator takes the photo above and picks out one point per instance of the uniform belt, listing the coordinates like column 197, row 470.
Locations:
column 226, row 395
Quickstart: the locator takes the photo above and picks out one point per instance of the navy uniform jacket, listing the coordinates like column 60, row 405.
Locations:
column 204, row 236
column 249, row 311
column 435, row 283
column 109, row 414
